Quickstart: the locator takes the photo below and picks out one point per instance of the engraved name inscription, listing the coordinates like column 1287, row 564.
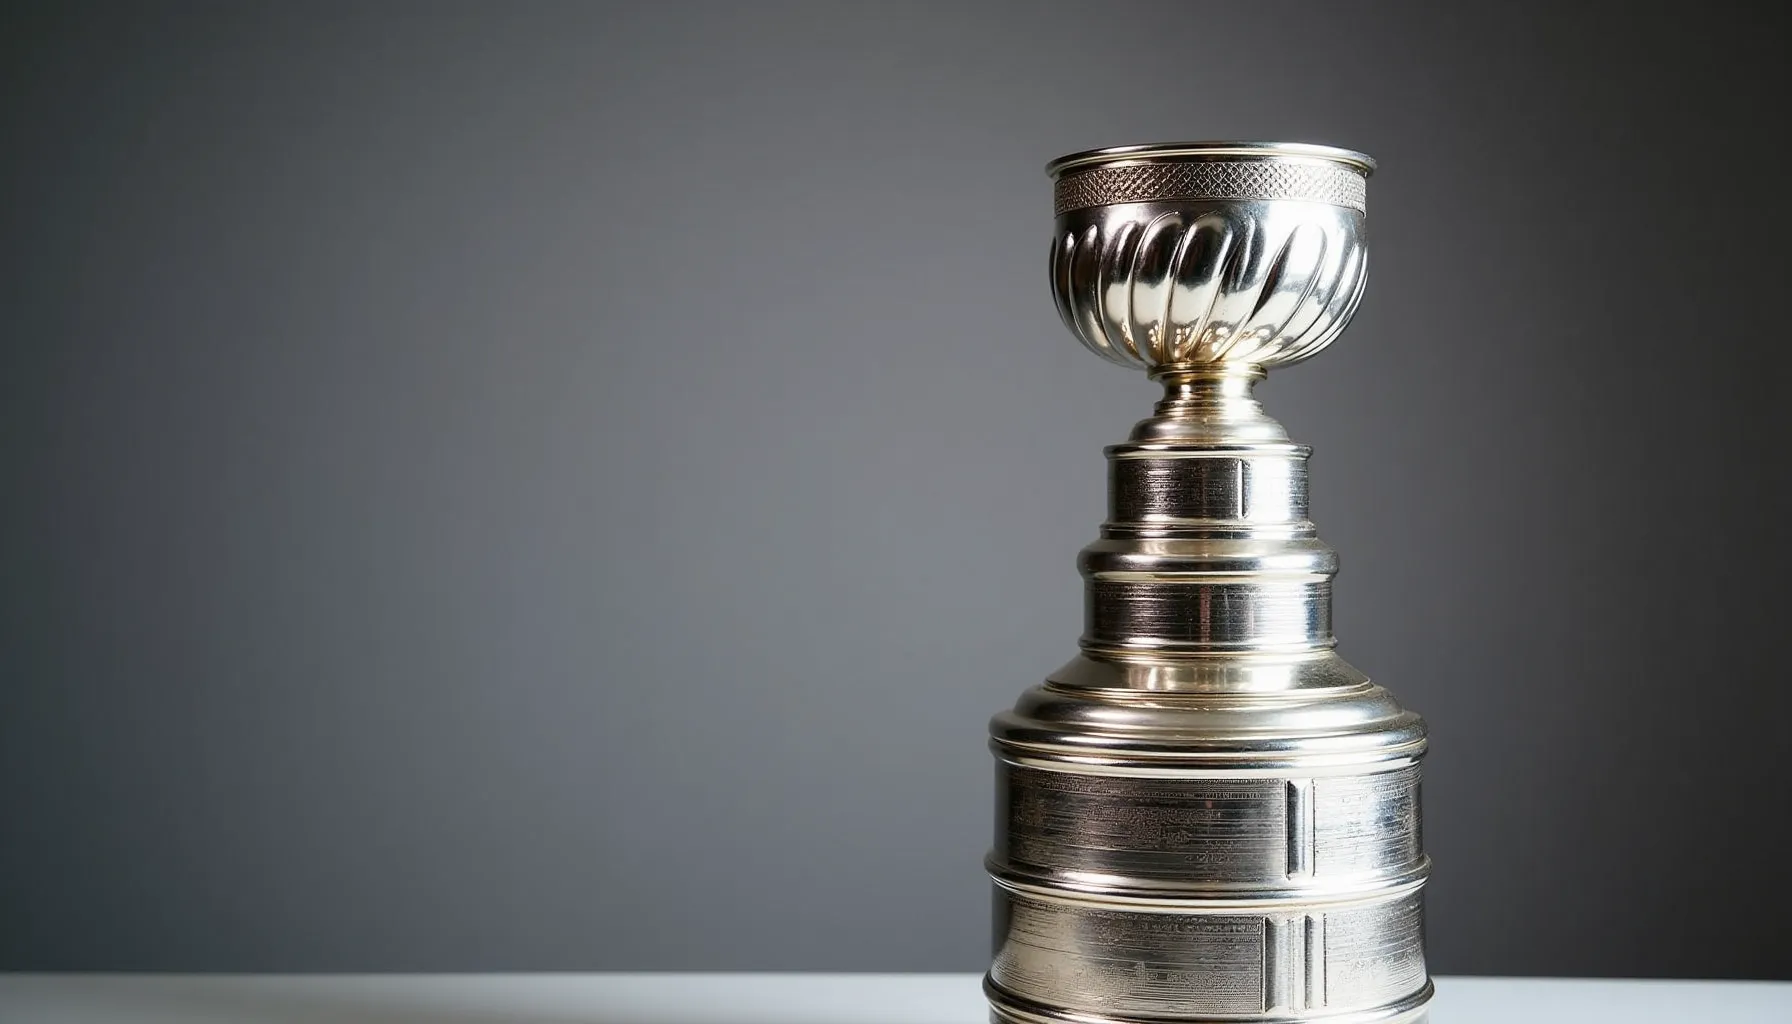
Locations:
column 1366, row 823
column 1171, row 829
column 1082, row 958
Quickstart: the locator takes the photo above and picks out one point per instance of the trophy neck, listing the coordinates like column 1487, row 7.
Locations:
column 1209, row 404
column 1207, row 554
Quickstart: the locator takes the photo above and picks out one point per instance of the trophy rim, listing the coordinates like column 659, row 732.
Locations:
column 1171, row 150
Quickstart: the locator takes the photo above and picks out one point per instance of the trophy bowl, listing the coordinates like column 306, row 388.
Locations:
column 1208, row 254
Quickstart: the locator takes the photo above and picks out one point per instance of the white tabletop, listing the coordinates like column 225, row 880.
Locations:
column 761, row 999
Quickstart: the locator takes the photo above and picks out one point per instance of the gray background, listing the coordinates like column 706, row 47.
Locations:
column 527, row 486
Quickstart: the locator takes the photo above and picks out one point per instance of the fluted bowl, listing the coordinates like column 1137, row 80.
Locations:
column 1209, row 253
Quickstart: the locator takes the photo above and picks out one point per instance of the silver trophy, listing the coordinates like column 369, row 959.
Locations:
column 1208, row 815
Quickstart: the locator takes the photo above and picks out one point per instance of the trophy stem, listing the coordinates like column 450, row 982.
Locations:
column 1209, row 403
column 1188, row 390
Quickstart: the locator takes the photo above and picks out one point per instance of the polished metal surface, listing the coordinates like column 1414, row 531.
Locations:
column 1207, row 815
column 1217, row 254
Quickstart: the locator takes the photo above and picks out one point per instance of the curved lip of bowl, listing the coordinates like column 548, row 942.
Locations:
column 1171, row 150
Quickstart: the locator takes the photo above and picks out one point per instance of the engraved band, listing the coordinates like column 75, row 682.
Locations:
column 1110, row 185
